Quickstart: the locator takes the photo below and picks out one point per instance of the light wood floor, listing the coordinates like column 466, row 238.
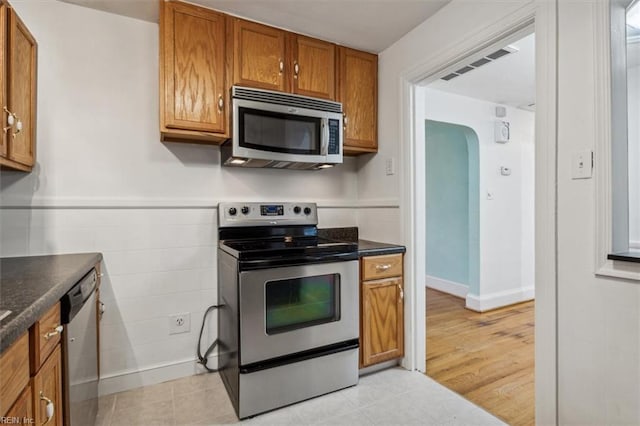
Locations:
column 486, row 357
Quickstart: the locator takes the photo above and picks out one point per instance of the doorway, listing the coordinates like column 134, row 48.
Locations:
column 479, row 133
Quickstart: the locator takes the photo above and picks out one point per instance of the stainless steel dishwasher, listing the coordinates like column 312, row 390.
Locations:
column 80, row 352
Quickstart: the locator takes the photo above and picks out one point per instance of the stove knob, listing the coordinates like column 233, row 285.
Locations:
column 245, row 210
column 233, row 211
column 296, row 209
column 307, row 211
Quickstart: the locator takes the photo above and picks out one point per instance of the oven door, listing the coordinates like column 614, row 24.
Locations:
column 293, row 309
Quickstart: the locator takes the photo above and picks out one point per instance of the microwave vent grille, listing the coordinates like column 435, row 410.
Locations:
column 285, row 99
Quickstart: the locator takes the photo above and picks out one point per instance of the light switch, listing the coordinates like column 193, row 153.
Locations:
column 390, row 166
column 582, row 164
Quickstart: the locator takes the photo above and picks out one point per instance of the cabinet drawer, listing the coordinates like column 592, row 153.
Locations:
column 44, row 337
column 14, row 372
column 376, row 267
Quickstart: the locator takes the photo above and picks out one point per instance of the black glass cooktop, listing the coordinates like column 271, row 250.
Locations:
column 281, row 252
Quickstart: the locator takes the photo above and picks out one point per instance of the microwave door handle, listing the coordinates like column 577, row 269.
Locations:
column 325, row 137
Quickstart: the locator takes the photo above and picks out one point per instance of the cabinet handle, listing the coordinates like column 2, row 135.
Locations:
column 49, row 409
column 12, row 119
column 57, row 330
column 281, row 66
column 296, row 69
column 401, row 292
column 220, row 103
column 383, row 267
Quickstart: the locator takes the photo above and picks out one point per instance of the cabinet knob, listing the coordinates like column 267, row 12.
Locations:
column 49, row 409
column 281, row 66
column 57, row 330
column 220, row 103
column 296, row 69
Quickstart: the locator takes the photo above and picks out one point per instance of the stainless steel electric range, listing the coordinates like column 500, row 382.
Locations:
column 288, row 326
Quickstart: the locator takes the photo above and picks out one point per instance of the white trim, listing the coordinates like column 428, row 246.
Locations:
column 412, row 183
column 172, row 203
column 135, row 378
column 603, row 152
column 446, row 286
column 634, row 244
column 499, row 299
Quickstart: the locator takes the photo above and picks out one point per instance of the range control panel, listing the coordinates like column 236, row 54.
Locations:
column 266, row 214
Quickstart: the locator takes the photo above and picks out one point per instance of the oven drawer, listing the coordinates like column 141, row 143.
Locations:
column 294, row 309
column 376, row 267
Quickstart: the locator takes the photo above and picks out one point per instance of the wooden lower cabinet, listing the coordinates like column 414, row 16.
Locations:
column 381, row 316
column 47, row 387
column 23, row 408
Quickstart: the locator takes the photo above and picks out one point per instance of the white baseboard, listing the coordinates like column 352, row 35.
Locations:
column 499, row 299
column 446, row 286
column 122, row 381
column 634, row 244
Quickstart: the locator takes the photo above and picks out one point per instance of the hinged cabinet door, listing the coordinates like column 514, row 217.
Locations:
column 193, row 61
column 47, row 387
column 358, row 92
column 313, row 67
column 382, row 320
column 259, row 55
column 21, row 72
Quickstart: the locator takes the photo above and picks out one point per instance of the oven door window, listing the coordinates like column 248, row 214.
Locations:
column 278, row 132
column 301, row 302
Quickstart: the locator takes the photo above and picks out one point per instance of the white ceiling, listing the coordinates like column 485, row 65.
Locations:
column 509, row 80
column 371, row 25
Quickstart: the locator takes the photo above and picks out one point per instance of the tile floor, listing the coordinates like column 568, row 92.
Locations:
column 390, row 397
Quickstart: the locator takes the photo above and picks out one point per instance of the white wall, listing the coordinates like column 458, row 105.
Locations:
column 104, row 182
column 598, row 318
column 507, row 220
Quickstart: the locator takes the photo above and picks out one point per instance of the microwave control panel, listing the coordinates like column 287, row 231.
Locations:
column 334, row 136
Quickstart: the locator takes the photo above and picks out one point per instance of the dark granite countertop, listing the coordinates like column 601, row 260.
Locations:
column 365, row 247
column 374, row 248
column 29, row 286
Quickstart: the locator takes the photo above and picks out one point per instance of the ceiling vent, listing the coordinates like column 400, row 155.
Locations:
column 482, row 61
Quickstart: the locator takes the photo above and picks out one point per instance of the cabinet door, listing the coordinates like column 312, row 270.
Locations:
column 21, row 72
column 47, row 386
column 22, row 408
column 382, row 320
column 358, row 92
column 192, row 68
column 259, row 54
column 314, row 72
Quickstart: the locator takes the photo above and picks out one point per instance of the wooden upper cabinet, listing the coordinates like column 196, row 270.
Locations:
column 358, row 92
column 18, row 70
column 259, row 56
column 313, row 67
column 193, row 86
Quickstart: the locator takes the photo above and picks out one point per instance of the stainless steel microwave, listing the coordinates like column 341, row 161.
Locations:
column 280, row 130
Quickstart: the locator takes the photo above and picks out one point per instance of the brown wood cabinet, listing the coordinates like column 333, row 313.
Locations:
column 358, row 92
column 194, row 95
column 14, row 372
column 203, row 53
column 22, row 408
column 259, row 55
column 313, row 63
column 47, row 388
column 382, row 309
column 18, row 70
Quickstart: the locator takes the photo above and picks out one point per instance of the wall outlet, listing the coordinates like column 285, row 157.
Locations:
column 180, row 323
